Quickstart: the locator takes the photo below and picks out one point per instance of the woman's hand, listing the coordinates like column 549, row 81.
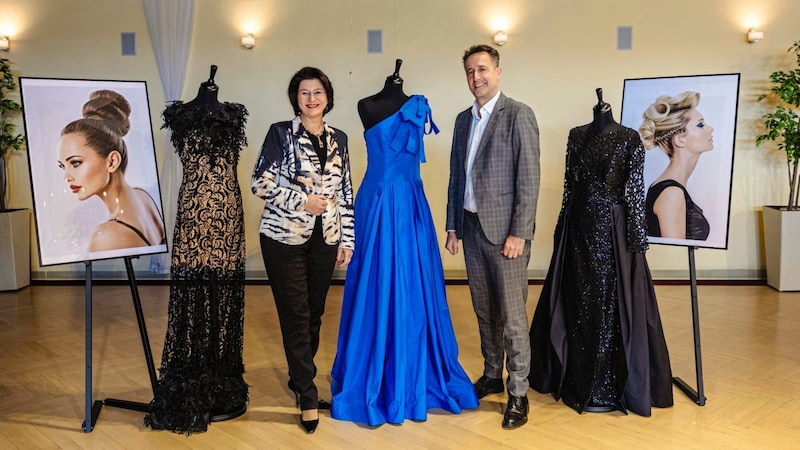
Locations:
column 343, row 256
column 316, row 204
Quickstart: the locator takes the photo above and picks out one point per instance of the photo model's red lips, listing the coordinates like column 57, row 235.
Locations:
column 74, row 188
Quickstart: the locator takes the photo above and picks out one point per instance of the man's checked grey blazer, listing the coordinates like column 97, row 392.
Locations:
column 505, row 173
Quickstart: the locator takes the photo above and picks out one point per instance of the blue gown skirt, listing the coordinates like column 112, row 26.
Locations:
column 397, row 354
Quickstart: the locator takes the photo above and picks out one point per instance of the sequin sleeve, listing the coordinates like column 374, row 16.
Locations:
column 634, row 196
column 565, row 198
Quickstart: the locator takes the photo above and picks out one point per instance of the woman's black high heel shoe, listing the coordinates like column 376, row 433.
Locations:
column 310, row 426
column 296, row 393
column 322, row 403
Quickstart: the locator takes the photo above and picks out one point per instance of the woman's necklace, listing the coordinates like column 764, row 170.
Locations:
column 317, row 134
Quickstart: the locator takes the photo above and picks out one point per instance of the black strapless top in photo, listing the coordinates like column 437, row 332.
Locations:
column 697, row 227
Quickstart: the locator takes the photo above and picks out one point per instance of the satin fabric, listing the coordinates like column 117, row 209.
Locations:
column 596, row 339
column 397, row 354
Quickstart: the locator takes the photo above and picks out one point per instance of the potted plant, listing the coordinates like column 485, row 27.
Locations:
column 15, row 225
column 782, row 224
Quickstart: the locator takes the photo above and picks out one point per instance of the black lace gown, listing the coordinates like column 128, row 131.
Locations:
column 596, row 337
column 201, row 373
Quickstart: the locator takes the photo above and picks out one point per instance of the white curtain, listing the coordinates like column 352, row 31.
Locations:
column 170, row 24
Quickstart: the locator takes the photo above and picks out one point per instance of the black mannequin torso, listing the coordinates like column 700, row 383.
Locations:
column 207, row 94
column 603, row 116
column 389, row 100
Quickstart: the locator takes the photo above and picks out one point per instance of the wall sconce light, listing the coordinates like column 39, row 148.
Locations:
column 754, row 36
column 248, row 41
column 4, row 43
column 500, row 38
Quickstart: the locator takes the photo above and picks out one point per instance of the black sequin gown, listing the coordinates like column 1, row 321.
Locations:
column 201, row 373
column 596, row 336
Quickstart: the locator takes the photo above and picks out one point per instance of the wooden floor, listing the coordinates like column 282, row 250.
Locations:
column 751, row 364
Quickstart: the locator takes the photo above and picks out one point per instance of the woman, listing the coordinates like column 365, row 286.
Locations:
column 303, row 173
column 93, row 156
column 674, row 125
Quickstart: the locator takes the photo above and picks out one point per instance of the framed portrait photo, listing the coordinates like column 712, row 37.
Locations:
column 688, row 127
column 94, row 179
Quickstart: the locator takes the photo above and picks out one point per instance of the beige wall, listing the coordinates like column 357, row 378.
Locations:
column 557, row 54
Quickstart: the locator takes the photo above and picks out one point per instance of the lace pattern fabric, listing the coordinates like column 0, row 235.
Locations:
column 201, row 372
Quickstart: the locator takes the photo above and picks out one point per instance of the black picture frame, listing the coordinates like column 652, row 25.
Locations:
column 65, row 223
column 710, row 182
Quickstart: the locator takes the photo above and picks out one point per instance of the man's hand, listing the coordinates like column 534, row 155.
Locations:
column 513, row 247
column 452, row 243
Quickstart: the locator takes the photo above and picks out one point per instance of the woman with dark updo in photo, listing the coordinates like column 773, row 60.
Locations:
column 93, row 155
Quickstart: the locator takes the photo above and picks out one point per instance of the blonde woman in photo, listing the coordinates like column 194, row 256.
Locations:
column 673, row 124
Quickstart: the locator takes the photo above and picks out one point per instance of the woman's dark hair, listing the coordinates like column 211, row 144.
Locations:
column 309, row 73
column 106, row 118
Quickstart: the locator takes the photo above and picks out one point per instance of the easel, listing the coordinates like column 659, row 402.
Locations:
column 93, row 410
column 697, row 396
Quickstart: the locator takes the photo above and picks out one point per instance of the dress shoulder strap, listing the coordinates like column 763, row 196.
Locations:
column 659, row 187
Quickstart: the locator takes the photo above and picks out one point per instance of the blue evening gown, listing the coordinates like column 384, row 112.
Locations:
column 397, row 356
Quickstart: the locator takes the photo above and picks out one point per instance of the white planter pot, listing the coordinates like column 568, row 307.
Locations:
column 782, row 247
column 15, row 249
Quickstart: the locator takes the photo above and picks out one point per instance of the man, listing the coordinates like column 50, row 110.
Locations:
column 491, row 205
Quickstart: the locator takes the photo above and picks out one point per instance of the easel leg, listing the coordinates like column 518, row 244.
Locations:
column 137, row 306
column 148, row 354
column 699, row 395
column 92, row 411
